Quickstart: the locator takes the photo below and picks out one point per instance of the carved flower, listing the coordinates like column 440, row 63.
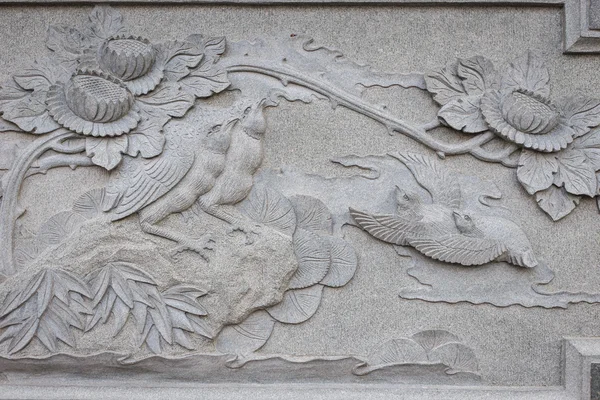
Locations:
column 115, row 90
column 559, row 156
column 132, row 60
column 93, row 104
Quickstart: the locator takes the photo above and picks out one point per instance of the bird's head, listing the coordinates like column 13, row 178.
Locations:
column 464, row 222
column 406, row 200
column 253, row 121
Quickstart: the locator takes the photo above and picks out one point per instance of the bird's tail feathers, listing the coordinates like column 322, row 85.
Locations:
column 525, row 259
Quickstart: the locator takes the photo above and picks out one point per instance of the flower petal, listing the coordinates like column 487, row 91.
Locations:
column 536, row 170
column 464, row 114
column 106, row 152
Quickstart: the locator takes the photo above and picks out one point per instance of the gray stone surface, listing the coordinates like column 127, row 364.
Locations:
column 203, row 234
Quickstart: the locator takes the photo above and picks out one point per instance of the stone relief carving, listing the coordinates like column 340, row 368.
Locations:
column 553, row 146
column 106, row 98
column 403, row 203
column 441, row 229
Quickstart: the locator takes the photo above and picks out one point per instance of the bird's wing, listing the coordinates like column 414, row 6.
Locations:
column 389, row 228
column 441, row 184
column 139, row 182
column 459, row 249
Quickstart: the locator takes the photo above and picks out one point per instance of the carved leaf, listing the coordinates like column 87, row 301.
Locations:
column 6, row 126
column 180, row 57
column 343, row 263
column 528, row 72
column 246, row 337
column 433, row 339
column 268, row 206
column 182, row 306
column 205, row 81
column 445, row 84
column 536, row 170
column 391, row 353
column 297, row 305
column 112, row 285
column 457, row 356
column 167, row 100
column 590, row 146
column 146, row 139
column 312, row 214
column 556, row 202
column 463, row 114
column 89, row 204
column 211, row 47
column 40, row 76
column 581, row 113
column 65, row 40
column 576, row 173
column 59, row 227
column 44, row 309
column 478, row 75
column 28, row 111
column 106, row 22
column 313, row 255
column 106, row 152
column 24, row 335
column 122, row 289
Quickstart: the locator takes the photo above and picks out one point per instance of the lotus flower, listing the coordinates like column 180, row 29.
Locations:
column 560, row 153
column 93, row 104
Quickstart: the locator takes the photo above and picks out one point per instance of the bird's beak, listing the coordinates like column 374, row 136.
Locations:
column 456, row 214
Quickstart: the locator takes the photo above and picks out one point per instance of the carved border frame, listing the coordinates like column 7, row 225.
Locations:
column 579, row 353
column 580, row 37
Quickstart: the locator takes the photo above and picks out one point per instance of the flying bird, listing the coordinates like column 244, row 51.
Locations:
column 439, row 229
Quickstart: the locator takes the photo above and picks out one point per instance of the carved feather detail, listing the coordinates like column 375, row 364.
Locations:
column 389, row 228
column 460, row 249
column 441, row 185
column 144, row 182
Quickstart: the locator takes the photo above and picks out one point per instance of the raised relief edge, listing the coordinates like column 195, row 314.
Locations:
column 580, row 34
column 578, row 355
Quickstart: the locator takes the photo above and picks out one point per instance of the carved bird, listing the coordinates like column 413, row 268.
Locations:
column 482, row 239
column 439, row 230
column 211, row 162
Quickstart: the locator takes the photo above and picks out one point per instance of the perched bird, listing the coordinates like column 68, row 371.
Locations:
column 439, row 230
column 210, row 163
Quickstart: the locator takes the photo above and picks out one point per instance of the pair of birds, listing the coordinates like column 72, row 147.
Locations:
column 210, row 164
column 440, row 230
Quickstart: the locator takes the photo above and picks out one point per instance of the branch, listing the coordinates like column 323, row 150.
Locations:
column 355, row 103
column 14, row 180
column 60, row 160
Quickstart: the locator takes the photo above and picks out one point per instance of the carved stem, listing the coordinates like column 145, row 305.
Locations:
column 357, row 104
column 8, row 208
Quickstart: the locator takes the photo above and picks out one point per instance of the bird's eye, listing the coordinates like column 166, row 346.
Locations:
column 405, row 197
column 467, row 218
